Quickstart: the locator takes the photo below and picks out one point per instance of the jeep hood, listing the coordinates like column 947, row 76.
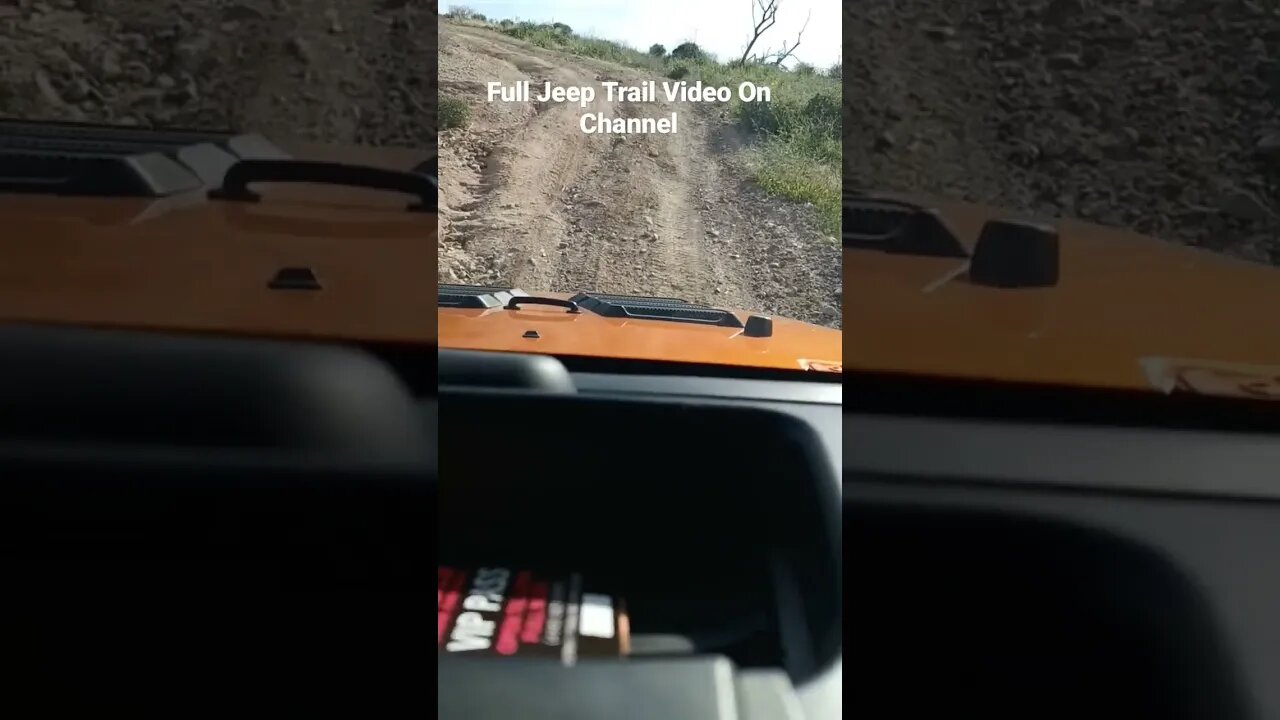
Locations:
column 187, row 263
column 625, row 328
column 1122, row 302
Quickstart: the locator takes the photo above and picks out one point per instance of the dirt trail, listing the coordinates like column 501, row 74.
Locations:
column 334, row 71
column 1162, row 117
column 528, row 199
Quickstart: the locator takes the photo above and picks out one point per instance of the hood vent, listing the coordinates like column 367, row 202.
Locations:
column 893, row 226
column 475, row 297
column 640, row 307
column 59, row 158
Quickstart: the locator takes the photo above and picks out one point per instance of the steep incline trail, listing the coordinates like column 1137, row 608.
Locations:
column 528, row 199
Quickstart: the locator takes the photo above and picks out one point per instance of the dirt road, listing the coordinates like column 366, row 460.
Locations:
column 1161, row 117
column 530, row 200
column 334, row 71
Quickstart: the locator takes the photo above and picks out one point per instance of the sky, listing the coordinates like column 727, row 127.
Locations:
column 722, row 27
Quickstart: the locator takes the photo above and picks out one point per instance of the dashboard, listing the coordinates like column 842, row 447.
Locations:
column 205, row 518
column 216, row 505
column 1032, row 568
column 712, row 505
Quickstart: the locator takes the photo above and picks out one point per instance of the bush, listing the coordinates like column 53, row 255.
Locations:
column 788, row 169
column 835, row 71
column 657, row 50
column 819, row 116
column 453, row 113
column 688, row 51
column 558, row 36
column 462, row 12
column 823, row 114
column 803, row 68
column 678, row 72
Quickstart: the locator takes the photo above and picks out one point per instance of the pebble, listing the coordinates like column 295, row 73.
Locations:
column 300, row 49
column 335, row 25
column 242, row 11
column 1240, row 203
column 939, row 32
column 136, row 42
column 138, row 72
column 109, row 65
column 46, row 88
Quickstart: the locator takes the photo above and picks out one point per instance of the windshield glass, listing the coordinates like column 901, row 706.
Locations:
column 1096, row 192
column 685, row 153
column 117, row 117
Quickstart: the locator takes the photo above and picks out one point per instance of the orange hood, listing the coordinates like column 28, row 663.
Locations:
column 187, row 263
column 1123, row 304
column 791, row 345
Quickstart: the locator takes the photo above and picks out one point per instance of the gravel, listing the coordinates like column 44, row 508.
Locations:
column 1162, row 116
column 338, row 71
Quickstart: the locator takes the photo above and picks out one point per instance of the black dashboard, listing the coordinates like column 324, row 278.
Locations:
column 712, row 505
column 197, row 512
column 1032, row 568
column 205, row 518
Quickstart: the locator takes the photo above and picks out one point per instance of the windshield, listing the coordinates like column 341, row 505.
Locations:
column 1088, row 194
column 118, row 117
column 660, row 164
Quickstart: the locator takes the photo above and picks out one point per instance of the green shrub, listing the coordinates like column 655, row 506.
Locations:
column 804, row 68
column 823, row 114
column 688, row 51
column 453, row 113
column 657, row 50
column 462, row 12
column 788, row 169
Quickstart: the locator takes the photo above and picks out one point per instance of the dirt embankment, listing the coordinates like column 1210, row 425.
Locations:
column 1157, row 115
column 339, row 71
column 528, row 199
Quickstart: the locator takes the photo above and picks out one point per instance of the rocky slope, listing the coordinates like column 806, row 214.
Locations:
column 1157, row 115
column 339, row 71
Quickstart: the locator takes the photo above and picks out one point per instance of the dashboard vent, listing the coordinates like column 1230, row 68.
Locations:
column 62, row 158
column 475, row 296
column 641, row 307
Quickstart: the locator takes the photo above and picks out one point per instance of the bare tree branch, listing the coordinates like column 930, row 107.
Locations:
column 768, row 14
column 777, row 58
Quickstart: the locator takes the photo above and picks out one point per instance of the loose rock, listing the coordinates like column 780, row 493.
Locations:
column 300, row 49
column 46, row 88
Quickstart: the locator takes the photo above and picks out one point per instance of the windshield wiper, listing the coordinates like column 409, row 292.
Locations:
column 235, row 184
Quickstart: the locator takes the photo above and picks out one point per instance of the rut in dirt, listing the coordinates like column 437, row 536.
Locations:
column 529, row 200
